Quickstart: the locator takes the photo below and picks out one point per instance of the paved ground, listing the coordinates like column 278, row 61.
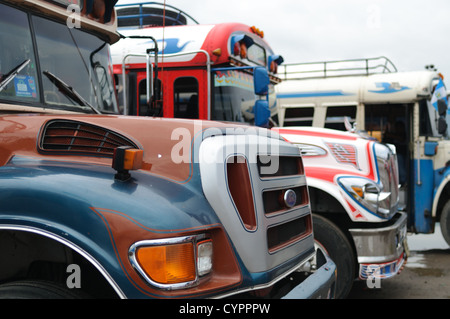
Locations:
column 425, row 276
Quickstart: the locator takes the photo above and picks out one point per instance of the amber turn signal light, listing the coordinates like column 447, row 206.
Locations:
column 173, row 263
column 170, row 264
column 126, row 158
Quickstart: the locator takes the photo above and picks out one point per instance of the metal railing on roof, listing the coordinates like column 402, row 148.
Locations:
column 150, row 13
column 337, row 68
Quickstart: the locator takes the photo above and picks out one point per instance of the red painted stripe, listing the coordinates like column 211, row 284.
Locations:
column 316, row 134
column 327, row 174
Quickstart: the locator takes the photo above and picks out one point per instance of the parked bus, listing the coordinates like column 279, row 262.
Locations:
column 197, row 71
column 406, row 109
column 95, row 204
column 231, row 97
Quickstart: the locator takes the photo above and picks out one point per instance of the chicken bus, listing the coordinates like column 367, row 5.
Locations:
column 406, row 109
column 199, row 71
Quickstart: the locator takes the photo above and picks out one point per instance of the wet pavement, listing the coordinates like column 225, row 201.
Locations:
column 426, row 274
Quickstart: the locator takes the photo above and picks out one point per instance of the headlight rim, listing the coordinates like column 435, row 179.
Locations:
column 369, row 205
column 195, row 240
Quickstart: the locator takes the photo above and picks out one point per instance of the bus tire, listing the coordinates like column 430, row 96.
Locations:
column 336, row 245
column 445, row 222
column 37, row 290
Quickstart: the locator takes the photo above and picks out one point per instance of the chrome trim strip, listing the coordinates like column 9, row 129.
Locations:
column 71, row 245
column 268, row 284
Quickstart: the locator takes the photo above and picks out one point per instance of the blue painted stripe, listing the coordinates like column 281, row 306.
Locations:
column 422, row 196
column 312, row 94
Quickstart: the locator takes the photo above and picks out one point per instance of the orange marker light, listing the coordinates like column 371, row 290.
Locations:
column 133, row 159
column 243, row 51
column 170, row 264
column 257, row 31
column 359, row 191
column 125, row 159
column 217, row 52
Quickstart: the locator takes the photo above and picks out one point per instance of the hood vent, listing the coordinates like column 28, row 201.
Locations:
column 73, row 137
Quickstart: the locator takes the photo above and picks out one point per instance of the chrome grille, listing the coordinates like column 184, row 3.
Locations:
column 387, row 169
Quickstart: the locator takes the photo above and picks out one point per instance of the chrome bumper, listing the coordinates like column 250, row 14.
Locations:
column 384, row 249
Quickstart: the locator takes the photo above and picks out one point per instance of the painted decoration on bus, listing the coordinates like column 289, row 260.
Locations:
column 233, row 78
column 171, row 40
column 344, row 153
column 386, row 88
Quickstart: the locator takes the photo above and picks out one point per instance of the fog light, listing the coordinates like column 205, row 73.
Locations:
column 204, row 257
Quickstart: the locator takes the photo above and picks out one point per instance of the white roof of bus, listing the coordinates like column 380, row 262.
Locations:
column 176, row 39
column 393, row 87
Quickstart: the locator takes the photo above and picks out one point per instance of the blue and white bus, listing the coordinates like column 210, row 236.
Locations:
column 405, row 109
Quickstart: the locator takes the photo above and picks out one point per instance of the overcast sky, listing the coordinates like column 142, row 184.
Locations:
column 411, row 33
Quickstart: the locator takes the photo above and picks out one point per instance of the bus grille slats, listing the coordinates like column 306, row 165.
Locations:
column 77, row 137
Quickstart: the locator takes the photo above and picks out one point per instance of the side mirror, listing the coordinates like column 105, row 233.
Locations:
column 442, row 107
column 261, row 80
column 278, row 59
column 442, row 125
column 262, row 113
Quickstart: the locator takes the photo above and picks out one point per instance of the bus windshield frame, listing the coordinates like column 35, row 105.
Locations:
column 76, row 57
column 233, row 96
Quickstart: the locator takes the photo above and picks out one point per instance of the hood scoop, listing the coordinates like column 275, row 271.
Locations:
column 74, row 137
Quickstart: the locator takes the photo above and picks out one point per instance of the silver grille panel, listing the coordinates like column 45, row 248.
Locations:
column 290, row 234
column 387, row 167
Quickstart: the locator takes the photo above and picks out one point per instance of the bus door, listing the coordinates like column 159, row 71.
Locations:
column 185, row 93
column 130, row 92
column 392, row 124
column 141, row 107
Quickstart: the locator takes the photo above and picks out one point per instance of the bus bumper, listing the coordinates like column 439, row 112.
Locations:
column 320, row 284
column 382, row 251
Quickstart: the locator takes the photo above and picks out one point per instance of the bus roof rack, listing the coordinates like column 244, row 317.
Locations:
column 149, row 14
column 337, row 68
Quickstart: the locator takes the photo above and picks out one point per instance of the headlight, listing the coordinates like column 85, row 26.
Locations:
column 366, row 193
column 173, row 263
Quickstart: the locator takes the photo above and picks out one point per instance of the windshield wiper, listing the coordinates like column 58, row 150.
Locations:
column 12, row 74
column 69, row 91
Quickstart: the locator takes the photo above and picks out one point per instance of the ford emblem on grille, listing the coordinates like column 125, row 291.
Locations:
column 290, row 198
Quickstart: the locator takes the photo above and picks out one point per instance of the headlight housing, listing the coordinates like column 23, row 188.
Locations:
column 379, row 197
column 367, row 194
column 173, row 263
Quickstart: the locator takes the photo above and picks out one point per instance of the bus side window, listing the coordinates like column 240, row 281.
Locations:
column 301, row 116
column 335, row 118
column 424, row 119
column 185, row 90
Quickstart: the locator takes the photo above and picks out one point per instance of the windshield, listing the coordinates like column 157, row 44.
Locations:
column 234, row 97
column 15, row 31
column 75, row 58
